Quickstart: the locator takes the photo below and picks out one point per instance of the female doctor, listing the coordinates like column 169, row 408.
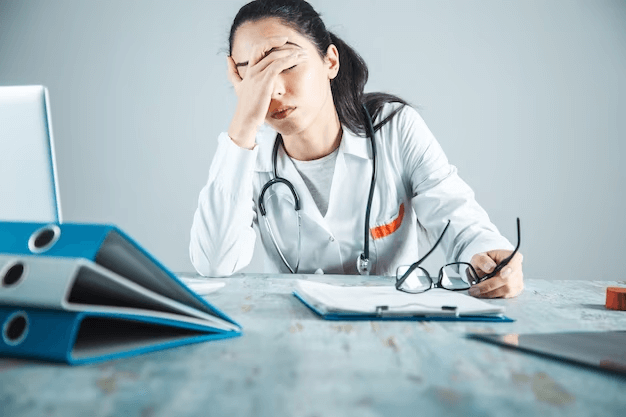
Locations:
column 304, row 179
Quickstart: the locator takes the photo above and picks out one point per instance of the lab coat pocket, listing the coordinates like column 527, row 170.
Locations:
column 395, row 240
column 390, row 225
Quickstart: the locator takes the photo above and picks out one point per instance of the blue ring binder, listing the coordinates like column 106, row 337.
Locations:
column 91, row 293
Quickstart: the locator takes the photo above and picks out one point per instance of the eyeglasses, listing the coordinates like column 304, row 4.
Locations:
column 450, row 275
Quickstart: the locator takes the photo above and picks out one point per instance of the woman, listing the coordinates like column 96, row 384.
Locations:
column 307, row 85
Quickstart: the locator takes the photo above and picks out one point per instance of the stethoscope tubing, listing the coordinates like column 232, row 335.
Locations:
column 280, row 253
column 370, row 198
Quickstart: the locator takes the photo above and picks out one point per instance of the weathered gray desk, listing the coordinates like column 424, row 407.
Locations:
column 291, row 363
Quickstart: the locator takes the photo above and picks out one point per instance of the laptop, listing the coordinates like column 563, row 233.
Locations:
column 29, row 189
column 601, row 350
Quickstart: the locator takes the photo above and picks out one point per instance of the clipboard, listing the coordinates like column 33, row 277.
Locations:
column 86, row 277
column 360, row 303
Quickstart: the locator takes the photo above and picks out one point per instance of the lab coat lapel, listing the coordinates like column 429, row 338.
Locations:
column 265, row 141
column 350, row 186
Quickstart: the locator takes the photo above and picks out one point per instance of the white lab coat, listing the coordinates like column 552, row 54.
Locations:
column 413, row 176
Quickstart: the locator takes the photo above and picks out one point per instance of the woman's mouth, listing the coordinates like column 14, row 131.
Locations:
column 282, row 113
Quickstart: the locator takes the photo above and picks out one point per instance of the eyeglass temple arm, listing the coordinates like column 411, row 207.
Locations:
column 416, row 264
column 434, row 246
column 506, row 260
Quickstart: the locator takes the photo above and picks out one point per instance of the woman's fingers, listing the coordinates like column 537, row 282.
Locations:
column 483, row 264
column 278, row 61
column 510, row 284
column 233, row 74
column 256, row 54
column 249, row 79
column 285, row 62
column 261, row 50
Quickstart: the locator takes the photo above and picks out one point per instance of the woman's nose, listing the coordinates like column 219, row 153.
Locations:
column 279, row 88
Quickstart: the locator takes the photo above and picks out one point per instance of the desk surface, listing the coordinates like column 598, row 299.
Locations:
column 289, row 362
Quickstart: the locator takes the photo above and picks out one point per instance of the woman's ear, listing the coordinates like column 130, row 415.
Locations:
column 332, row 61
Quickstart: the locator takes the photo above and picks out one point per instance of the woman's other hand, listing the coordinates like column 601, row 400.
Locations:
column 507, row 283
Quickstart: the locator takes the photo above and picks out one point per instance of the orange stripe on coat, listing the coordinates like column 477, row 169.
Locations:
column 387, row 229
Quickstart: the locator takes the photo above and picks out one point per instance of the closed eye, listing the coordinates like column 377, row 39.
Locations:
column 290, row 68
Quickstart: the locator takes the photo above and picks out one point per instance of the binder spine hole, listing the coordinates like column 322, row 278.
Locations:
column 15, row 328
column 13, row 275
column 44, row 238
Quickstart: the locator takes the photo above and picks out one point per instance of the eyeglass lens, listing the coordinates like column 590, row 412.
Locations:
column 415, row 282
column 455, row 277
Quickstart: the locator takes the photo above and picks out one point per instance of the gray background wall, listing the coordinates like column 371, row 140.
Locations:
column 528, row 99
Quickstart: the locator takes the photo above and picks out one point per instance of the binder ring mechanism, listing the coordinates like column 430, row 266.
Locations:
column 44, row 238
column 13, row 274
column 15, row 328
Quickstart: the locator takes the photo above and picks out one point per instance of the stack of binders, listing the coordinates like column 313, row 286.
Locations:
column 80, row 293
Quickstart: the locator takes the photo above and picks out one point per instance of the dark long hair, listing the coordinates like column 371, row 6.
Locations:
column 347, row 87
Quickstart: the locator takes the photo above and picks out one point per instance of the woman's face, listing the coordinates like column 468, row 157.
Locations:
column 301, row 94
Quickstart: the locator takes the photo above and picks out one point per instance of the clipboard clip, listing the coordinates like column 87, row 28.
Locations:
column 380, row 311
column 445, row 311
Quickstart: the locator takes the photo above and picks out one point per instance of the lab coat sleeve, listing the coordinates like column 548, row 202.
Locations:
column 222, row 234
column 439, row 194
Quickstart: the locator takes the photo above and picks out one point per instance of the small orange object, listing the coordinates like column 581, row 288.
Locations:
column 616, row 298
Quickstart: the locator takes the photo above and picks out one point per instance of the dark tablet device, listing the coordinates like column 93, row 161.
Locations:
column 603, row 350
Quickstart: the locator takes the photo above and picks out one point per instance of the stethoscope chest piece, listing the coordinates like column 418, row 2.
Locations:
column 363, row 264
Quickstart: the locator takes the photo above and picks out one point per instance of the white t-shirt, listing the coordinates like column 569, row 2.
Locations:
column 318, row 177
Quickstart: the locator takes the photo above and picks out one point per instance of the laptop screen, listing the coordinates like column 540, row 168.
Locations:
column 28, row 180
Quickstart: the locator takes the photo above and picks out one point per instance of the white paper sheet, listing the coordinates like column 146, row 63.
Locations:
column 202, row 286
column 335, row 299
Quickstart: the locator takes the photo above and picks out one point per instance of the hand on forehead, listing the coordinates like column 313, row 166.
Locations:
column 265, row 51
column 255, row 40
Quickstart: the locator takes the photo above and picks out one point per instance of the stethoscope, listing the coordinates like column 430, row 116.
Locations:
column 363, row 260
